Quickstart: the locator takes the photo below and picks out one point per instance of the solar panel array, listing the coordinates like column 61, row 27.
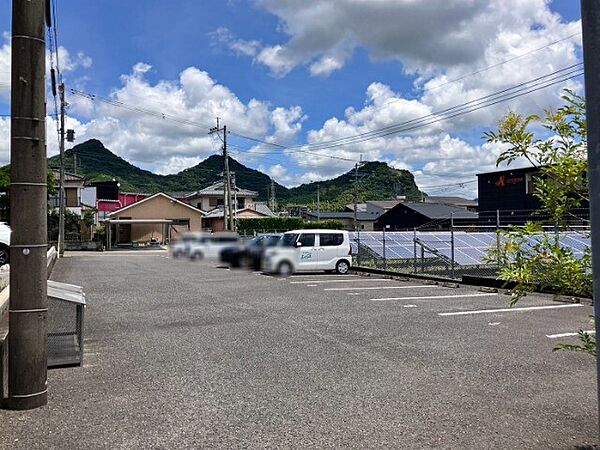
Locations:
column 470, row 249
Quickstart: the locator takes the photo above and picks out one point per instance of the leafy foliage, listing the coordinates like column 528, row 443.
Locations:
column 530, row 256
column 281, row 224
column 587, row 344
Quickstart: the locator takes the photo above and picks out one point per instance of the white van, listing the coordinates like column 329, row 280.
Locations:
column 210, row 246
column 308, row 251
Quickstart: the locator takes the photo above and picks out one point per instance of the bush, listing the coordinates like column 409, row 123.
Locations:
column 280, row 224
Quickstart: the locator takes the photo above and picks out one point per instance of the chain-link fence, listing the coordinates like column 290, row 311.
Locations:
column 452, row 248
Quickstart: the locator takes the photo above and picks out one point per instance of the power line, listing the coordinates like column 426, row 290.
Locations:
column 503, row 95
column 506, row 91
column 484, row 69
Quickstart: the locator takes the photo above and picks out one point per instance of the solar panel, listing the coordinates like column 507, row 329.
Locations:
column 470, row 248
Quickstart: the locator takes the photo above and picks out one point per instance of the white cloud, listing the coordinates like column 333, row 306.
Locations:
column 425, row 36
column 67, row 62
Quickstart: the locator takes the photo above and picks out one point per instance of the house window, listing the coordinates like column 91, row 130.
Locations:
column 215, row 201
column 72, row 197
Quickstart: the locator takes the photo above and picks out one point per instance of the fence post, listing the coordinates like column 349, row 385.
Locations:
column 498, row 238
column 358, row 246
column 452, row 242
column 384, row 258
column 415, row 249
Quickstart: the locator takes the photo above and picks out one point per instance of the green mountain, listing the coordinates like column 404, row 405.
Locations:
column 377, row 181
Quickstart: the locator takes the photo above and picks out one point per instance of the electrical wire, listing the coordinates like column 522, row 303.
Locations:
column 536, row 84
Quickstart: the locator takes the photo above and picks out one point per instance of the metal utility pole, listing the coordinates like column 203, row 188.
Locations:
column 590, row 20
column 28, row 308
column 61, row 193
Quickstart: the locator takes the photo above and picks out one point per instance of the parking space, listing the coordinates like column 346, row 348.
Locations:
column 199, row 356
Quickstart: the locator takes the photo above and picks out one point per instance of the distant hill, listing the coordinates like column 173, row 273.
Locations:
column 377, row 180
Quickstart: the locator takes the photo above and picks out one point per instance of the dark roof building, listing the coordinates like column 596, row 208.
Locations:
column 471, row 205
column 411, row 215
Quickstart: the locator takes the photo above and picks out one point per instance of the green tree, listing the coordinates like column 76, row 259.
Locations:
column 530, row 256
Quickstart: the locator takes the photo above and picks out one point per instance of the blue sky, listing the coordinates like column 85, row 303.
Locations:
column 287, row 72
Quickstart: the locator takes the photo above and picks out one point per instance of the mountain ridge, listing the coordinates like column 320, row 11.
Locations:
column 377, row 180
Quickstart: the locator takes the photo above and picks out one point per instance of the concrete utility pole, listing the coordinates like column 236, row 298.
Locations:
column 272, row 195
column 28, row 310
column 590, row 20
column 61, row 194
column 227, row 204
column 356, row 167
column 318, row 201
column 228, row 176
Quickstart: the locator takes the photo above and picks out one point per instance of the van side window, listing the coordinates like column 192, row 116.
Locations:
column 331, row 239
column 308, row 240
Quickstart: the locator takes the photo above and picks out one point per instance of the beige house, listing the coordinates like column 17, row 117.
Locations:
column 73, row 187
column 212, row 197
column 213, row 220
column 158, row 218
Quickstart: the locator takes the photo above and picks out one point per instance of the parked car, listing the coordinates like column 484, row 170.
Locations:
column 210, row 246
column 5, row 232
column 181, row 248
column 250, row 254
column 308, row 251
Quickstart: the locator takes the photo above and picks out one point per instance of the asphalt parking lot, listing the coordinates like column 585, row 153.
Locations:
column 185, row 354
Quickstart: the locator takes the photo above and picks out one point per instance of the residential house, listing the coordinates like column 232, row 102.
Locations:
column 365, row 220
column 213, row 220
column 73, row 187
column 470, row 205
column 213, row 196
column 157, row 218
column 409, row 215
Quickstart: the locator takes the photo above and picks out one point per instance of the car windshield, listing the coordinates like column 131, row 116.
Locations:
column 272, row 241
column 288, row 240
column 256, row 241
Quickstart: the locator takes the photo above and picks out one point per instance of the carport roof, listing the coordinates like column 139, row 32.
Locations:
column 137, row 221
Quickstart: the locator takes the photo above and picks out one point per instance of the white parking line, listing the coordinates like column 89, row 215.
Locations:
column 312, row 276
column 562, row 335
column 431, row 297
column 339, row 281
column 373, row 288
column 527, row 308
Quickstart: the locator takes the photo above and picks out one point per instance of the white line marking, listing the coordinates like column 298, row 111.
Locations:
column 409, row 306
column 312, row 276
column 562, row 335
column 353, row 293
column 493, row 324
column 527, row 308
column 377, row 287
column 431, row 297
column 312, row 285
column 339, row 281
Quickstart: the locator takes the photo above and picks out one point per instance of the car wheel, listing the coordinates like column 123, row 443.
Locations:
column 284, row 269
column 342, row 267
column 4, row 255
